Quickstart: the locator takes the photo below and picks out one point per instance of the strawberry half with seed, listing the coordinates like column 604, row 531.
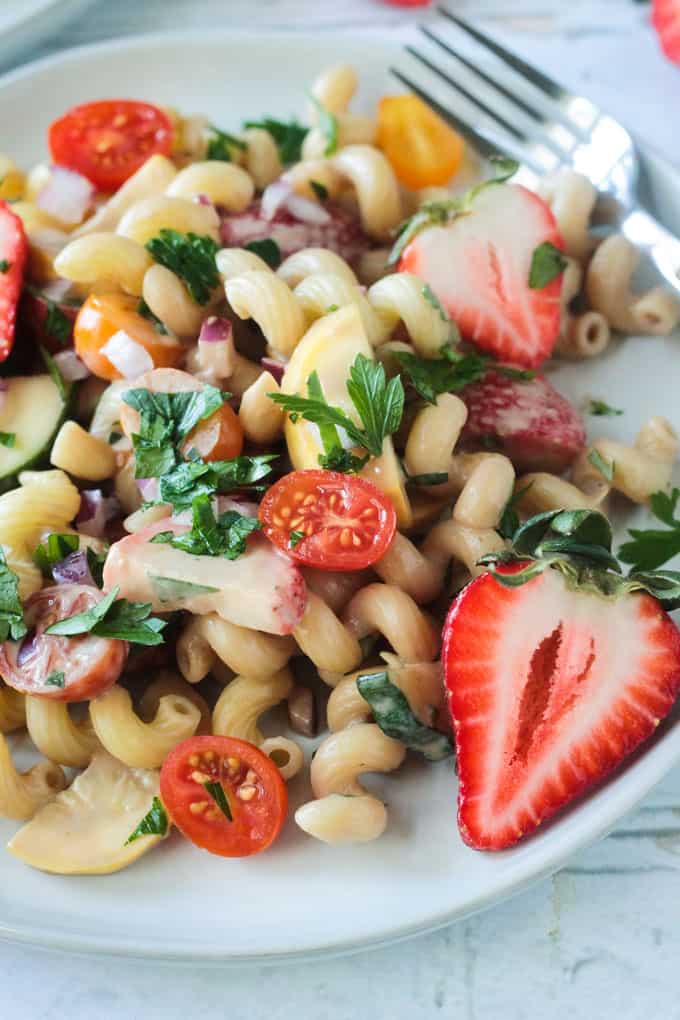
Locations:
column 666, row 21
column 478, row 265
column 13, row 253
column 527, row 419
column 556, row 669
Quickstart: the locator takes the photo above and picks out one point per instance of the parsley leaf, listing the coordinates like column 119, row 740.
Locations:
column 267, row 249
column 216, row 791
column 11, row 612
column 5, row 266
column 433, row 300
column 448, row 374
column 547, row 262
column 288, row 136
column 114, row 618
column 57, row 324
column 56, row 680
column 379, row 405
column 57, row 547
column 8, row 439
column 190, row 257
column 195, row 477
column 65, row 388
column 144, row 310
column 396, row 718
column 319, row 189
column 154, row 823
column 221, row 143
column 605, row 467
column 339, row 459
column 172, row 589
column 600, row 409
column 212, row 536
column 652, row 547
column 328, row 125
column 429, row 478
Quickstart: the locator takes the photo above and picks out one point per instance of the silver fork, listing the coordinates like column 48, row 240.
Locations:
column 546, row 127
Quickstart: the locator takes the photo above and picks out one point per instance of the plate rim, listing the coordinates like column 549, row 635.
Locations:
column 619, row 801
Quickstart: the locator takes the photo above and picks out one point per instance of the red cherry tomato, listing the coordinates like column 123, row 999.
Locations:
column 61, row 668
column 108, row 140
column 328, row 519
column 255, row 795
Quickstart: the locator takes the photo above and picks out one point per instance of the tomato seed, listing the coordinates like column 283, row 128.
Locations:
column 197, row 807
column 246, row 792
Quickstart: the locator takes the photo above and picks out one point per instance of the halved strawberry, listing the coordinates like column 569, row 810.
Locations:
column 666, row 21
column 533, row 424
column 13, row 252
column 478, row 266
column 550, row 687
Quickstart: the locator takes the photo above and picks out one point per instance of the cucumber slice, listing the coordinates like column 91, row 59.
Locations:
column 32, row 410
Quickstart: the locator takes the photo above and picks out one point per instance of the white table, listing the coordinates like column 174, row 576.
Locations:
column 602, row 938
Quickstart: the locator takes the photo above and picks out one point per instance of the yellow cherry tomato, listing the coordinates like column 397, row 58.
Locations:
column 423, row 150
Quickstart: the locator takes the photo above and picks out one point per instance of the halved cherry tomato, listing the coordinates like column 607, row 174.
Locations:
column 61, row 668
column 101, row 316
column 108, row 140
column 255, row 795
column 421, row 147
column 219, row 437
column 328, row 519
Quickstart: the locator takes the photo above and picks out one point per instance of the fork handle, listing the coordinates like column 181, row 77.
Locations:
column 656, row 242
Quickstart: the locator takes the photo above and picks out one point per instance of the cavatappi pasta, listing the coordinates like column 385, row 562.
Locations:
column 234, row 300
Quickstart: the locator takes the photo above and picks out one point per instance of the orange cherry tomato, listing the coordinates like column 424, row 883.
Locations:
column 108, row 140
column 328, row 519
column 423, row 150
column 219, row 437
column 243, row 813
column 101, row 316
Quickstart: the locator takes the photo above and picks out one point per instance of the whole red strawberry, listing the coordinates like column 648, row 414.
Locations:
column 556, row 669
column 527, row 419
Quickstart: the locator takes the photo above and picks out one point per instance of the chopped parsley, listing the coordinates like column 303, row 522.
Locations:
column 600, row 409
column 328, row 125
column 448, row 374
column 288, row 136
column 65, row 388
column 114, row 618
column 191, row 478
column 547, row 262
column 190, row 257
column 396, row 719
column 295, row 537
column 57, row 324
column 57, row 547
column 378, row 403
column 652, row 547
column 267, row 249
column 56, row 679
column 319, row 189
column 154, row 823
column 8, row 439
column 216, row 791
column 5, row 266
column 11, row 612
column 221, row 143
column 144, row 310
column 605, row 467
column 224, row 536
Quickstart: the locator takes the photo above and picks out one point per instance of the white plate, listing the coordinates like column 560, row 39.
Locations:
column 25, row 23
column 303, row 898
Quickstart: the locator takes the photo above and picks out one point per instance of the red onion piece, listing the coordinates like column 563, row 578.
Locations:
column 148, row 487
column 245, row 507
column 280, row 195
column 56, row 290
column 74, row 569
column 67, row 195
column 96, row 510
column 26, row 648
column 274, row 367
column 274, row 197
column 203, row 199
column 306, row 210
column 3, row 392
column 125, row 354
column 215, row 329
column 70, row 366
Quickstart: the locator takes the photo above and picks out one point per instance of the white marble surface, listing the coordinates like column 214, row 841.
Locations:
column 602, row 938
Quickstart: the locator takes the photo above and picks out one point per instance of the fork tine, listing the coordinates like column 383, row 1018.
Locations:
column 537, row 78
column 511, row 129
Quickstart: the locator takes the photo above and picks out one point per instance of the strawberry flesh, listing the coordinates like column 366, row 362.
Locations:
column 528, row 420
column 549, row 689
column 666, row 21
column 13, row 253
column 478, row 266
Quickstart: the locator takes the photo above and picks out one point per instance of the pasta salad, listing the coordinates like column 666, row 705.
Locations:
column 275, row 433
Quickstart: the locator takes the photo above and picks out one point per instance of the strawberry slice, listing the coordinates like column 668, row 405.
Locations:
column 13, row 253
column 533, row 424
column 666, row 21
column 478, row 266
column 550, row 687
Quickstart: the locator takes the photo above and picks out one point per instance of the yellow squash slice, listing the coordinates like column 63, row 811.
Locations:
column 83, row 831
column 330, row 346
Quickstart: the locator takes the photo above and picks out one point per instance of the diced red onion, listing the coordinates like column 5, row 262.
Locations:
column 125, row 354
column 74, row 569
column 26, row 648
column 281, row 195
column 148, row 487
column 67, row 195
column 306, row 210
column 3, row 392
column 274, row 197
column 56, row 290
column 203, row 199
column 245, row 507
column 274, row 367
column 215, row 329
column 70, row 366
column 215, row 354
column 96, row 510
